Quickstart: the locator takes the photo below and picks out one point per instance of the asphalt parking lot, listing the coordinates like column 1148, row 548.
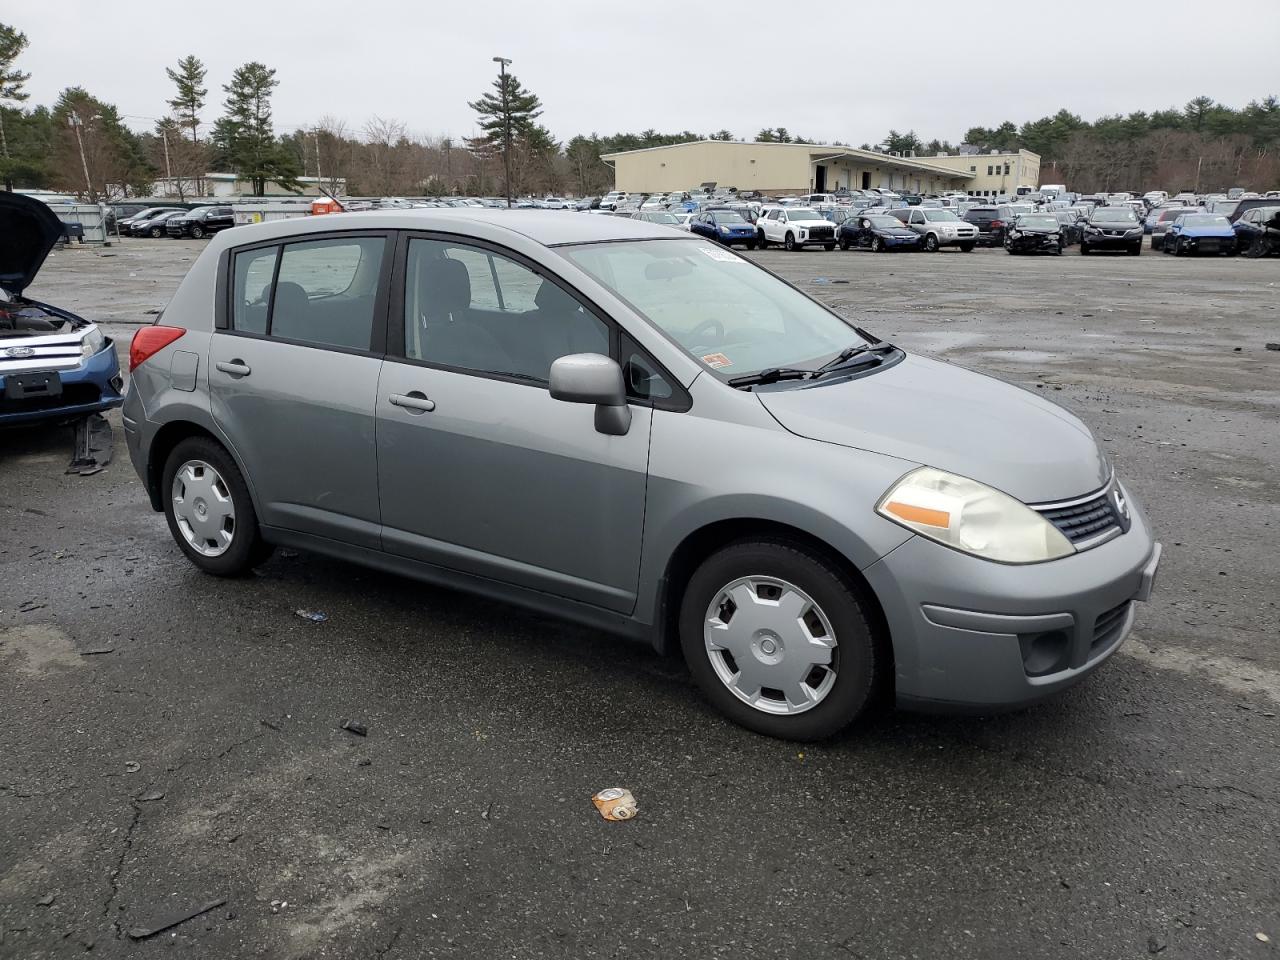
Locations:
column 172, row 740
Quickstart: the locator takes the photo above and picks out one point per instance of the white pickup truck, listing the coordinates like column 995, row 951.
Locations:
column 795, row 228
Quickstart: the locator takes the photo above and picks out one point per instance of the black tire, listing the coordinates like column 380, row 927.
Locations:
column 247, row 549
column 154, row 233
column 1178, row 248
column 844, row 244
column 828, row 247
column 762, row 241
column 1084, row 249
column 197, row 231
column 1256, row 249
column 1136, row 249
column 931, row 243
column 789, row 242
column 751, row 244
column 1057, row 251
column 877, row 245
column 859, row 659
column 966, row 248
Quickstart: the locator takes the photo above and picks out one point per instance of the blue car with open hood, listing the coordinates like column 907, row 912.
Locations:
column 53, row 363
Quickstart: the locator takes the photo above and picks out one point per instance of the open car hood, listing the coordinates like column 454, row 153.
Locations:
column 28, row 231
column 933, row 413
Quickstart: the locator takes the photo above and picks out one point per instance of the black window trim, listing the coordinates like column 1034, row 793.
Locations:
column 679, row 402
column 225, row 292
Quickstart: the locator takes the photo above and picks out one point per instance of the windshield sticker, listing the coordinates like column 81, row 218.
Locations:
column 724, row 256
column 717, row 360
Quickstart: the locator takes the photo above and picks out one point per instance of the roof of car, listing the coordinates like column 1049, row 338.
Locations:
column 547, row 227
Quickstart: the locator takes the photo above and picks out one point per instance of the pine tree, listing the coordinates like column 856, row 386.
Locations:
column 244, row 135
column 506, row 116
column 188, row 101
column 12, row 43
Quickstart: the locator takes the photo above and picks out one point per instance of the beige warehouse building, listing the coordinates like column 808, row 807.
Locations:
column 994, row 174
column 775, row 168
column 781, row 168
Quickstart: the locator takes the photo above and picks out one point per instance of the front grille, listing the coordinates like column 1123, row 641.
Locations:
column 1083, row 520
column 821, row 233
column 1106, row 629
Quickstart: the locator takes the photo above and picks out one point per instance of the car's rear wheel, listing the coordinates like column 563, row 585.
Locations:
column 931, row 243
column 197, row 231
column 779, row 640
column 877, row 245
column 209, row 511
column 789, row 242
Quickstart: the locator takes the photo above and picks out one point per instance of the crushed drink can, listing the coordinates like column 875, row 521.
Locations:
column 615, row 803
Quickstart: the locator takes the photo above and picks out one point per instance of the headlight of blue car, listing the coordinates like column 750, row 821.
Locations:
column 91, row 342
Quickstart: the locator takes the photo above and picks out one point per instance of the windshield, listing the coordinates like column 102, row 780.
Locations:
column 725, row 312
column 802, row 213
column 1205, row 220
column 1038, row 222
column 1114, row 215
column 939, row 216
column 885, row 223
column 728, row 216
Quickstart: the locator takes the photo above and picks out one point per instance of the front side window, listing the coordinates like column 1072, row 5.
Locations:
column 474, row 309
column 254, row 270
column 721, row 309
column 325, row 291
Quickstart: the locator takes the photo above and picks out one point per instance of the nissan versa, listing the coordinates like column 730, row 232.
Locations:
column 643, row 431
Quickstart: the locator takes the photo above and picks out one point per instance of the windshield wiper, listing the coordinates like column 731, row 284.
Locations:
column 852, row 352
column 770, row 375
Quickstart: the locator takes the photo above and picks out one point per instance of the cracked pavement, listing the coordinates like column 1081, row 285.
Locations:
column 1136, row 815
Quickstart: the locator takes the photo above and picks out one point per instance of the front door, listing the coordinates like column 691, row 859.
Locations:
column 480, row 470
column 293, row 381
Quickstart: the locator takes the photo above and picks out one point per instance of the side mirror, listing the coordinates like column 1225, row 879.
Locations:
column 593, row 378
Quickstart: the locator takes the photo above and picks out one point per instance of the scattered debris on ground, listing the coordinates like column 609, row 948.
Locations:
column 356, row 727
column 94, row 445
column 172, row 920
column 615, row 803
column 315, row 616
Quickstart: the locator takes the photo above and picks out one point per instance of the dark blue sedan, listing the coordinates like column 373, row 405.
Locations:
column 1200, row 233
column 724, row 226
column 54, row 365
column 879, row 233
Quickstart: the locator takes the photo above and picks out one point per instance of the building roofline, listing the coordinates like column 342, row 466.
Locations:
column 833, row 150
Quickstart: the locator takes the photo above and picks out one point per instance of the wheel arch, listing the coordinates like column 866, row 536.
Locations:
column 706, row 540
column 169, row 436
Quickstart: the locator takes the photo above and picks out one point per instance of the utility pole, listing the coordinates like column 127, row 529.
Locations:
column 76, row 124
column 503, row 63
column 316, row 135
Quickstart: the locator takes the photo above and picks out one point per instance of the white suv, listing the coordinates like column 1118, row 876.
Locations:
column 938, row 227
column 795, row 228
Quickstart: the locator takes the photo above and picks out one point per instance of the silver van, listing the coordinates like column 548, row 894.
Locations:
column 643, row 431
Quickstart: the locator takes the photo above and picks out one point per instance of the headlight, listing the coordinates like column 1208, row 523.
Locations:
column 802, row 233
column 972, row 517
column 91, row 342
column 1133, row 230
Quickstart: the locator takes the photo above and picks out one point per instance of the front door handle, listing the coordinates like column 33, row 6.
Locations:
column 237, row 368
column 414, row 401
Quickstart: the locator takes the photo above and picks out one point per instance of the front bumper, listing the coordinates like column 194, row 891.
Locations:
column 972, row 635
column 1034, row 242
column 91, row 387
column 1104, row 241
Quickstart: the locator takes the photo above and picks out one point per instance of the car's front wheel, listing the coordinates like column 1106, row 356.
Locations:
column 154, row 233
column 931, row 243
column 789, row 242
column 762, row 241
column 877, row 245
column 209, row 510
column 197, row 231
column 779, row 640
column 844, row 244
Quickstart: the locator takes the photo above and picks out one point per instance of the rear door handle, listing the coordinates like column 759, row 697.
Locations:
column 237, row 368
column 414, row 402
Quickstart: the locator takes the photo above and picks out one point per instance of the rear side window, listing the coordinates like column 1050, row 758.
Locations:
column 325, row 291
column 254, row 270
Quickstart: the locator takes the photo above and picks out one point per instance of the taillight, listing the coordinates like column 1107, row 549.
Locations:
column 149, row 341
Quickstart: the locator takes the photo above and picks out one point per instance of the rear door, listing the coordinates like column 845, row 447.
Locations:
column 294, row 375
column 480, row 470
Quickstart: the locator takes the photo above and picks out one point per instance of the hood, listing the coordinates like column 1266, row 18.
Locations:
column 28, row 231
column 896, row 231
column 947, row 417
column 1208, row 232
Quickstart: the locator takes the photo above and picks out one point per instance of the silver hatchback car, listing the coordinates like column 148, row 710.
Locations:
column 645, row 432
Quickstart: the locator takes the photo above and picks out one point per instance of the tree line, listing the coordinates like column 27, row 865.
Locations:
column 81, row 144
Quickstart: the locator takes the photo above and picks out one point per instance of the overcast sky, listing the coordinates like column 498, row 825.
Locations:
column 849, row 71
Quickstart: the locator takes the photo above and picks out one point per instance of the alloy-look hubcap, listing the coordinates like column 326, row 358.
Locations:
column 203, row 508
column 771, row 645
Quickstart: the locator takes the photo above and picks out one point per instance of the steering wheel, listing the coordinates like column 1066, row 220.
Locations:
column 713, row 324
